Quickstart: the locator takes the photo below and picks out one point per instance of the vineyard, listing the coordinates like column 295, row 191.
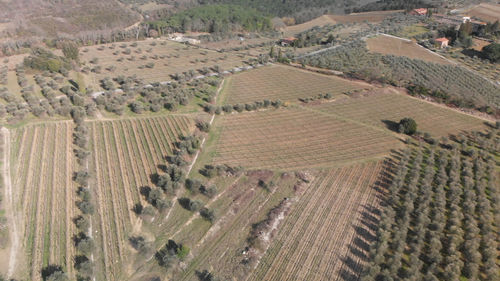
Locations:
column 326, row 234
column 382, row 108
column 296, row 138
column 242, row 203
column 388, row 45
column 285, row 83
column 126, row 153
column 42, row 165
column 442, row 217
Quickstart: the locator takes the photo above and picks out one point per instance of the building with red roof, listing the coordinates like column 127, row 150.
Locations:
column 442, row 42
column 419, row 12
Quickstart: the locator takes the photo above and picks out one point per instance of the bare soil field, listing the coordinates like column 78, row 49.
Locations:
column 393, row 46
column 285, row 83
column 125, row 155
column 326, row 235
column 384, row 107
column 42, row 164
column 486, row 11
column 296, row 138
column 320, row 21
column 167, row 57
column 479, row 44
column 373, row 17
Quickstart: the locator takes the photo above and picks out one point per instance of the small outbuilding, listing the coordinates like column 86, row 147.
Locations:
column 442, row 42
column 285, row 42
column 419, row 12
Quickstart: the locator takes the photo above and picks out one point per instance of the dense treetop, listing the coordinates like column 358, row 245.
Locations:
column 219, row 18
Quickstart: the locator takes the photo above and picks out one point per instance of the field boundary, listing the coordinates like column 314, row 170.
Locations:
column 14, row 247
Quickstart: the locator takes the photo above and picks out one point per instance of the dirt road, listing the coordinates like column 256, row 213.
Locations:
column 9, row 204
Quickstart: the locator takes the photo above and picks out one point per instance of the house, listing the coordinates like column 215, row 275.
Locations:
column 419, row 12
column 285, row 42
column 442, row 42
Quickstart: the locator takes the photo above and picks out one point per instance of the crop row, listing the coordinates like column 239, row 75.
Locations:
column 125, row 155
column 295, row 138
column 317, row 236
column 286, row 83
column 379, row 109
column 42, row 165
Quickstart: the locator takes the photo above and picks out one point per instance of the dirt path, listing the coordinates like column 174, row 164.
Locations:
column 174, row 200
column 9, row 204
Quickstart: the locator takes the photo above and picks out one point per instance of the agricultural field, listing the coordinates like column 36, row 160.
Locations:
column 486, row 68
column 358, row 18
column 389, row 45
column 327, row 233
column 296, row 138
column 42, row 165
column 485, row 11
column 372, row 17
column 442, row 213
column 383, row 108
column 126, row 153
column 153, row 60
column 240, row 204
column 285, row 83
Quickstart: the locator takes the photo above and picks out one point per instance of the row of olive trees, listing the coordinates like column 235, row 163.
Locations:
column 440, row 219
column 84, row 242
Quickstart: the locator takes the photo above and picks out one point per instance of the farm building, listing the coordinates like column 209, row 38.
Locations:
column 419, row 12
column 287, row 41
column 458, row 20
column 442, row 42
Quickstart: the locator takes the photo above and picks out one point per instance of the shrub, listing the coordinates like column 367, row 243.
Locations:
column 207, row 214
column 407, row 126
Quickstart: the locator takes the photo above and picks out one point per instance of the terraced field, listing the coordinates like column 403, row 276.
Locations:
column 125, row 155
column 326, row 234
column 42, row 164
column 285, row 83
column 296, row 138
column 380, row 108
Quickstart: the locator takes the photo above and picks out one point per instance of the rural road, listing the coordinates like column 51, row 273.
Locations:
column 174, row 200
column 9, row 202
column 197, row 152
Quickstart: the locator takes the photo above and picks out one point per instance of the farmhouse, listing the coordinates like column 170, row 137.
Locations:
column 442, row 42
column 287, row 41
column 419, row 12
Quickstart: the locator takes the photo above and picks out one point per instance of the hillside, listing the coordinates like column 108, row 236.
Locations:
column 71, row 17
